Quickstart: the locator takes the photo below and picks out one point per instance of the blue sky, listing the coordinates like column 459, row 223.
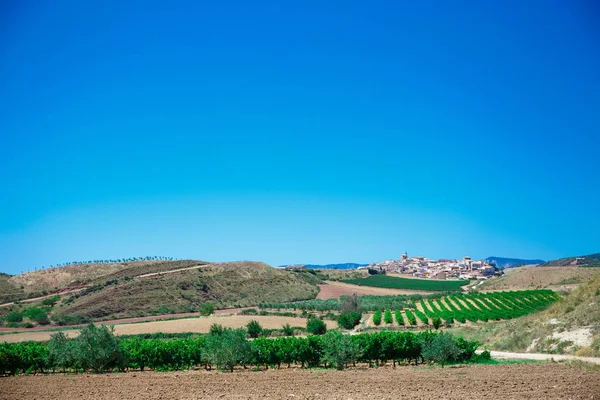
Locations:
column 313, row 132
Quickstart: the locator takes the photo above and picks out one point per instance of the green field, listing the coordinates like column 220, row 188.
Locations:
column 390, row 282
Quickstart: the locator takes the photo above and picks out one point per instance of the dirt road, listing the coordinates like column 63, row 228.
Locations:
column 529, row 381
column 503, row 355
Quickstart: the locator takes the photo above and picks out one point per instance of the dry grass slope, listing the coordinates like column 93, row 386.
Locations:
column 540, row 278
column 225, row 285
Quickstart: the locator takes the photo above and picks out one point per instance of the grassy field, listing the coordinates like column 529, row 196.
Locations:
column 391, row 282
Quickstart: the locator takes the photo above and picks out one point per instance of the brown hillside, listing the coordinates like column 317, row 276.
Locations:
column 556, row 278
column 225, row 285
column 76, row 276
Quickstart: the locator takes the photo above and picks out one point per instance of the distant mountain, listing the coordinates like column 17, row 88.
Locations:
column 502, row 262
column 332, row 266
column 581, row 261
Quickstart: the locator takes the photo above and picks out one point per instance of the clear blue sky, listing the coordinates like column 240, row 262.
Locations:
column 312, row 132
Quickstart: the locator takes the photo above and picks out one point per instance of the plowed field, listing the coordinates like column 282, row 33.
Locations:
column 529, row 381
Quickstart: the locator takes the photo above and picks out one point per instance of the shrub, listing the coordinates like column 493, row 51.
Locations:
column 440, row 348
column 14, row 317
column 207, row 309
column 387, row 317
column 287, row 330
column 316, row 326
column 436, row 322
column 216, row 329
column 349, row 319
column 377, row 318
column 50, row 301
column 254, row 329
column 249, row 311
column 37, row 315
column 484, row 356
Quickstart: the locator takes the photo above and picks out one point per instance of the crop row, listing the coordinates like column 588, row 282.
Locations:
column 225, row 350
column 489, row 306
column 477, row 306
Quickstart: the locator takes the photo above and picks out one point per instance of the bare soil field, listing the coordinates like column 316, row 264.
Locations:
column 198, row 325
column 555, row 278
column 527, row 381
column 333, row 290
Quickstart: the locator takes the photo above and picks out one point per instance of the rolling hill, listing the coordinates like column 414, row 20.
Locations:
column 591, row 260
column 502, row 262
column 332, row 266
column 159, row 287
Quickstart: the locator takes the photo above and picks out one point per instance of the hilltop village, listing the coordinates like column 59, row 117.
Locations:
column 422, row 267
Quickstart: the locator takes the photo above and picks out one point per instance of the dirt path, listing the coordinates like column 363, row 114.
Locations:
column 528, row 381
column 541, row 357
column 172, row 271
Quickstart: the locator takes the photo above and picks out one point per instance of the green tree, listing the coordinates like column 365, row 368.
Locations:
column 349, row 319
column 316, row 326
column 351, row 304
column 207, row 309
column 339, row 350
column 228, row 349
column 254, row 329
column 440, row 348
column 97, row 348
column 387, row 317
column 61, row 353
column 436, row 321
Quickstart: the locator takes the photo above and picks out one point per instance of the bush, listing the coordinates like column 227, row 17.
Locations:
column 14, row 317
column 436, row 322
column 484, row 356
column 387, row 317
column 441, row 348
column 50, row 301
column 216, row 329
column 287, row 330
column 349, row 319
column 377, row 318
column 37, row 315
column 207, row 309
column 316, row 326
column 254, row 329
